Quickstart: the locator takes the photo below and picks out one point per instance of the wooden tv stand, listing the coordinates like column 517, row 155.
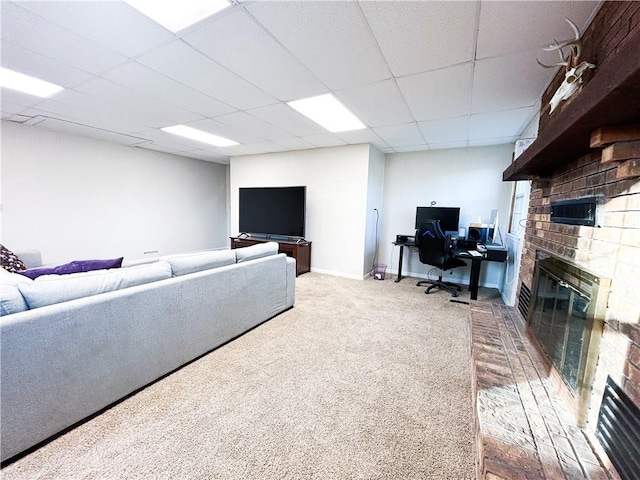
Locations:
column 301, row 251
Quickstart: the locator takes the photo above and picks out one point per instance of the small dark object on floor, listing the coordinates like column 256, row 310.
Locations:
column 458, row 301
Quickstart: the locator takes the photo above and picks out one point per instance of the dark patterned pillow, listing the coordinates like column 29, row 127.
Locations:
column 9, row 260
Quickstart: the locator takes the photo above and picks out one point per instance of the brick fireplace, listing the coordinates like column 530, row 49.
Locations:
column 574, row 157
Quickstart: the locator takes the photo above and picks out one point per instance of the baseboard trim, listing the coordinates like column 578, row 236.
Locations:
column 340, row 274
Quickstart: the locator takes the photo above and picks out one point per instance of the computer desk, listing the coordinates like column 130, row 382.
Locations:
column 476, row 265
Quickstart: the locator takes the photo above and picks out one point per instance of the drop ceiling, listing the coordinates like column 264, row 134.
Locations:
column 420, row 75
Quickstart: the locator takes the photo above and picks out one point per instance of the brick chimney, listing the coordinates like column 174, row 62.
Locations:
column 600, row 169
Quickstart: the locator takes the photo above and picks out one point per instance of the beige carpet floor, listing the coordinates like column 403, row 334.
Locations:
column 360, row 380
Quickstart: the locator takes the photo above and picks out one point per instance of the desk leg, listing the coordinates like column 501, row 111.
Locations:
column 474, row 279
column 400, row 265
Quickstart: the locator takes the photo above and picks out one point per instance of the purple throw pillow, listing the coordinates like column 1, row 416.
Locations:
column 89, row 265
column 76, row 266
column 34, row 273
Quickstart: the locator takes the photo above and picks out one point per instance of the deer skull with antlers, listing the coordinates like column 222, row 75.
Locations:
column 573, row 69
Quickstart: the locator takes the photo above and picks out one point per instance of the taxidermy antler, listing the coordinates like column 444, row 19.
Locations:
column 573, row 69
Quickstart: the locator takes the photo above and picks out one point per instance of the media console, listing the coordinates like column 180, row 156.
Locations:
column 300, row 250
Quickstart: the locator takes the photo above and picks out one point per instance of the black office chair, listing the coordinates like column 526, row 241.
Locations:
column 434, row 248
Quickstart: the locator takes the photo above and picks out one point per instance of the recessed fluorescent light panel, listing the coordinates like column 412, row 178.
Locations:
column 26, row 84
column 176, row 15
column 328, row 112
column 199, row 136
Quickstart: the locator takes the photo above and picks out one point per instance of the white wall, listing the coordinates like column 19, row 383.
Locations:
column 514, row 240
column 337, row 187
column 469, row 178
column 375, row 190
column 74, row 197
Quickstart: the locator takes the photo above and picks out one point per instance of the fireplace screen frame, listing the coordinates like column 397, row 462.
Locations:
column 578, row 286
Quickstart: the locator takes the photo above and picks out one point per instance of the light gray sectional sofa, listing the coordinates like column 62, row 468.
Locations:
column 63, row 359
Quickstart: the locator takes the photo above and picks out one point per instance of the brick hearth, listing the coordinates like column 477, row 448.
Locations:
column 524, row 428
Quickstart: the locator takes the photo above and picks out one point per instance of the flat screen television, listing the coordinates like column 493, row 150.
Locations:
column 449, row 217
column 272, row 211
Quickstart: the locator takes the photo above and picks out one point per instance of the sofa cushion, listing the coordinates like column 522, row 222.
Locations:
column 182, row 264
column 256, row 251
column 49, row 289
column 76, row 266
column 10, row 261
column 31, row 258
column 11, row 300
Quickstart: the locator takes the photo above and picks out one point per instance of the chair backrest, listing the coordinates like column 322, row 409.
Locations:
column 432, row 243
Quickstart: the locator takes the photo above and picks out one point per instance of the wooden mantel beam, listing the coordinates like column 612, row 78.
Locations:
column 611, row 97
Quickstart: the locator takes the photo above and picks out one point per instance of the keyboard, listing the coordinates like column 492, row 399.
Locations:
column 474, row 253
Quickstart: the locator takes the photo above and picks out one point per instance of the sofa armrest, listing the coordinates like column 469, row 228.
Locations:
column 291, row 281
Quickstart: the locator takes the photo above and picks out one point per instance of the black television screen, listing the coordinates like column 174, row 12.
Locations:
column 448, row 216
column 272, row 211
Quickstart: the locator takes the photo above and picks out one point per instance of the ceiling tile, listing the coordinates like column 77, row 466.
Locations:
column 376, row 104
column 252, row 149
column 331, row 38
column 10, row 108
column 158, row 113
column 447, row 145
column 446, row 130
column 288, row 119
column 69, row 113
column 181, row 62
column 256, row 56
column 401, row 135
column 433, row 34
column 91, row 110
column 412, row 148
column 25, row 61
column 195, row 154
column 506, row 123
column 508, row 82
column 31, row 32
column 508, row 27
column 84, row 130
column 19, row 98
column 439, row 94
column 355, row 137
column 114, row 25
column 324, row 140
column 252, row 125
column 294, row 143
column 206, row 155
column 231, row 74
column 149, row 82
column 239, row 135
column 485, row 142
column 262, row 147
column 169, row 140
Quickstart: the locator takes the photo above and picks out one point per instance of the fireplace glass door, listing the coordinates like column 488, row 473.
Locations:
column 567, row 318
column 560, row 323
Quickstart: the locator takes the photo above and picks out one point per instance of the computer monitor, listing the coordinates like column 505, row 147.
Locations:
column 449, row 217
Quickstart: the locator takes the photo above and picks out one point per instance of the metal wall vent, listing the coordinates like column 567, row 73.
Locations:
column 618, row 430
column 579, row 211
column 523, row 300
